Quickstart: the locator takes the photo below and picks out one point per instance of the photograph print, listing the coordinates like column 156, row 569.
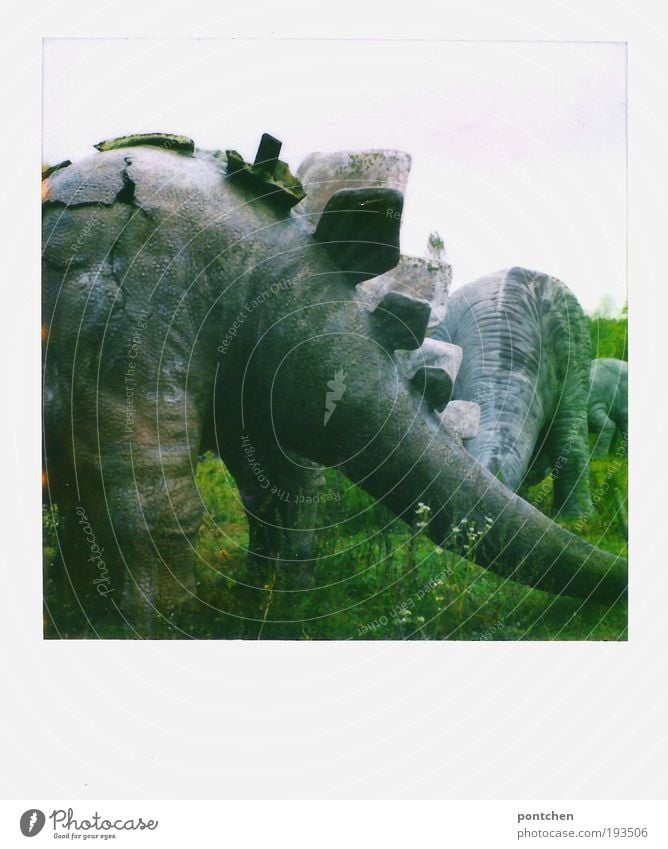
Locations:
column 334, row 340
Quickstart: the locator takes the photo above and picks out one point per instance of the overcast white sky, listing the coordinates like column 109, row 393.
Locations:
column 518, row 149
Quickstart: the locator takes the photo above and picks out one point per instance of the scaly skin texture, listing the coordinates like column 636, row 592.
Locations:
column 526, row 363
column 608, row 403
column 178, row 305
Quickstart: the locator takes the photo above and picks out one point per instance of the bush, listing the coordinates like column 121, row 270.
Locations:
column 609, row 337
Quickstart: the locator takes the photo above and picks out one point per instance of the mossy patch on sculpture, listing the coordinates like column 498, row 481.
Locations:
column 168, row 141
column 48, row 170
column 275, row 175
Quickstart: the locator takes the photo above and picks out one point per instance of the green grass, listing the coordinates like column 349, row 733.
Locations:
column 375, row 579
column 609, row 337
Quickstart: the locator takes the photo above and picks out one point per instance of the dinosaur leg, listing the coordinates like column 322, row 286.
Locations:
column 604, row 429
column 569, row 450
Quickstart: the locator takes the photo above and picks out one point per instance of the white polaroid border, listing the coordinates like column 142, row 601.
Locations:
column 153, row 720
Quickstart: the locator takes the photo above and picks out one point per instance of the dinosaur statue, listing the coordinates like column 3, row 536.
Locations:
column 526, row 354
column 608, row 404
column 182, row 300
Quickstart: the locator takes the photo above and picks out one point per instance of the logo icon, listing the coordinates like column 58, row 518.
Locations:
column 336, row 389
column 32, row 822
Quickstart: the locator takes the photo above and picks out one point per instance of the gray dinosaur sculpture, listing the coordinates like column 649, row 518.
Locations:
column 526, row 362
column 183, row 305
column 608, row 404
